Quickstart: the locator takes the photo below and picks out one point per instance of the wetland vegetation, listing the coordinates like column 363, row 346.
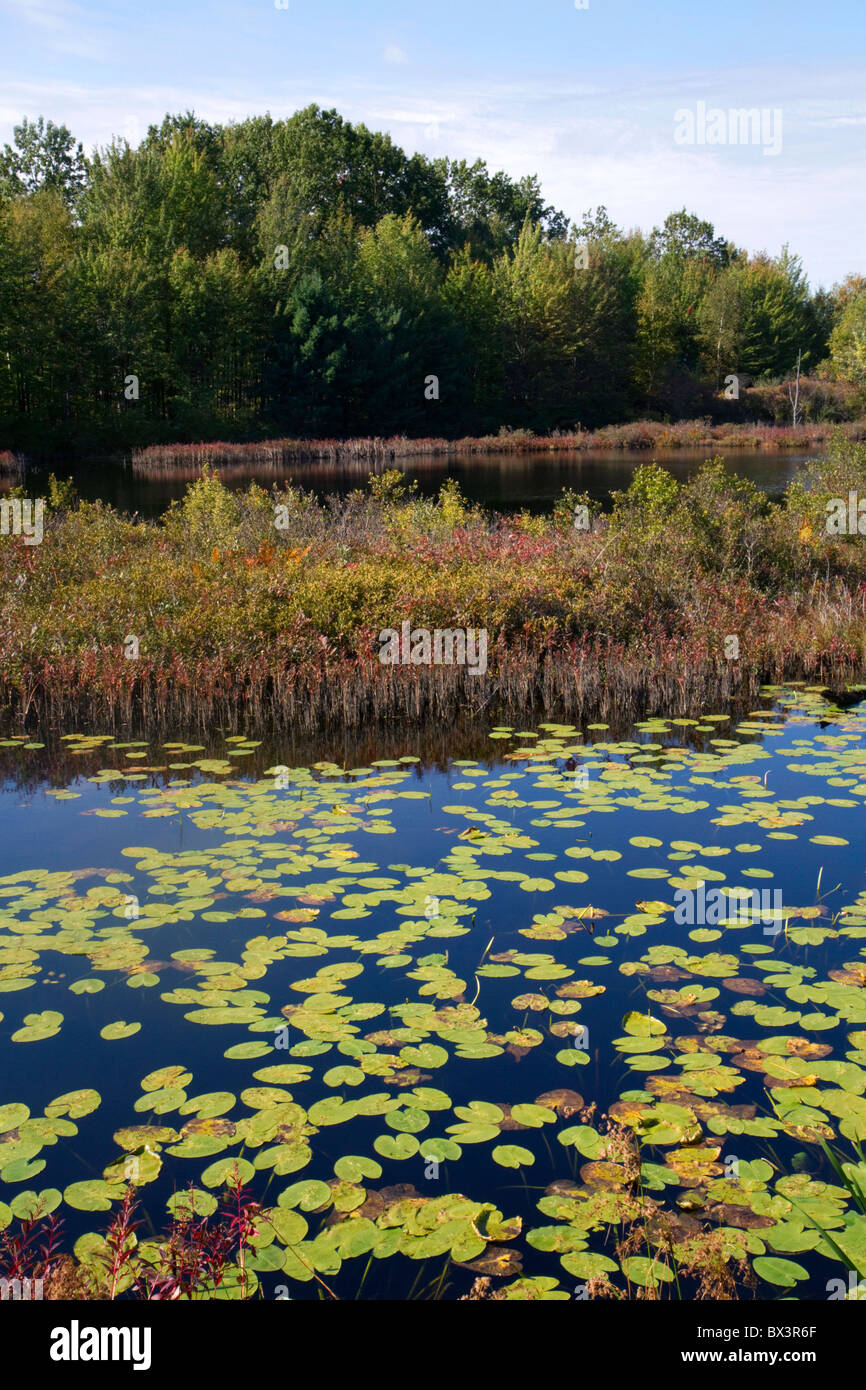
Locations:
column 267, row 606
column 306, row 277
column 488, row 1056
column 340, row 971
column 433, row 1032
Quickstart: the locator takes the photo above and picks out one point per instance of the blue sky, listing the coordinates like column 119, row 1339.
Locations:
column 586, row 98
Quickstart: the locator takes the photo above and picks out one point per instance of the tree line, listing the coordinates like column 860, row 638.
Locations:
column 307, row 277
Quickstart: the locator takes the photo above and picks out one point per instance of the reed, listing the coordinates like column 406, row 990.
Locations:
column 641, row 436
column 599, row 680
column 240, row 623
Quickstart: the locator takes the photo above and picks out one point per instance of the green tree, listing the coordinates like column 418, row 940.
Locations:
column 399, row 283
column 38, row 329
column 684, row 235
column 44, row 156
column 848, row 340
column 720, row 324
column 658, row 332
column 471, row 298
column 777, row 317
column 488, row 211
column 606, row 295
column 536, row 285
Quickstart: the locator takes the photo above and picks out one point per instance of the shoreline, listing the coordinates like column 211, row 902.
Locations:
column 639, row 437
column 272, row 608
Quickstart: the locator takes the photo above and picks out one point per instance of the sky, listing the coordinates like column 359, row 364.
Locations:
column 606, row 103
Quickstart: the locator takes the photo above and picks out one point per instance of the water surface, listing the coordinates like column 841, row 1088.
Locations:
column 376, row 978
column 506, row 481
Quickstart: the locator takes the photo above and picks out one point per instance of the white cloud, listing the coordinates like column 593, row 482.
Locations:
column 609, row 141
column 64, row 27
column 836, row 121
column 46, row 14
column 392, row 53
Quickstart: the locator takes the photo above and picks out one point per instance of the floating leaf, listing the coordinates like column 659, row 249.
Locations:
column 512, row 1156
column 787, row 1273
column 39, row 1026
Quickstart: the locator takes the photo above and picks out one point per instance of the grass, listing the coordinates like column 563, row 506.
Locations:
column 642, row 435
column 241, row 622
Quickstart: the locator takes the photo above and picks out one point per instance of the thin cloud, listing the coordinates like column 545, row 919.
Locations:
column 611, row 142
column 64, row 27
column 45, row 14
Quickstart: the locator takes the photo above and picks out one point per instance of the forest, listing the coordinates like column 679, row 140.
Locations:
column 306, row 277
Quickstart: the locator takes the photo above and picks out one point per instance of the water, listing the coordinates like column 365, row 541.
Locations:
column 446, row 928
column 505, row 481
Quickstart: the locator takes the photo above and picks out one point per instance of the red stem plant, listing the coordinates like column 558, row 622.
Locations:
column 243, row 624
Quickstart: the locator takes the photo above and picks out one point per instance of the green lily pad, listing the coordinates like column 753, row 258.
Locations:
column 75, row 1104
column 786, row 1273
column 39, row 1026
column 113, row 1032
column 222, row 1172
column 512, row 1156
column 92, row 1194
column 351, row 1168
column 395, row 1146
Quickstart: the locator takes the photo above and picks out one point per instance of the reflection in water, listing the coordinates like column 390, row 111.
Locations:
column 505, row 481
column 478, row 987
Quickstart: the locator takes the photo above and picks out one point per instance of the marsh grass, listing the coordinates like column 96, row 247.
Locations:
column 641, row 435
column 240, row 621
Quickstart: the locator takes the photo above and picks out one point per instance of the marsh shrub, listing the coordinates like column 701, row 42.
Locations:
column 217, row 594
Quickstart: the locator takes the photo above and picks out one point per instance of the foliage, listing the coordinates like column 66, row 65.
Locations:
column 233, row 587
column 308, row 277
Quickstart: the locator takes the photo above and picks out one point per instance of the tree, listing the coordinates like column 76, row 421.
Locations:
column 489, row 211
column 852, row 287
column 597, row 227
column 685, row 235
column 777, row 316
column 720, row 325
column 215, row 336
column 310, row 379
column 848, row 340
column 658, row 333
column 43, row 156
column 470, row 296
column 536, row 286
column 684, row 259
column 38, row 328
column 606, row 294
column 328, row 164
column 398, row 280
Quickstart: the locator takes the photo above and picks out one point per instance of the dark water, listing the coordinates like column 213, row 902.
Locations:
column 504, row 481
column 775, row 803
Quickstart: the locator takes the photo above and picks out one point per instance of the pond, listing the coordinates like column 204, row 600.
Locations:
column 506, row 481
column 574, row 1008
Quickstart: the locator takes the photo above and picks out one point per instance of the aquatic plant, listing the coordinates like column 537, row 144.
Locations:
column 641, row 435
column 32, row 1251
column 400, row 1036
column 218, row 614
